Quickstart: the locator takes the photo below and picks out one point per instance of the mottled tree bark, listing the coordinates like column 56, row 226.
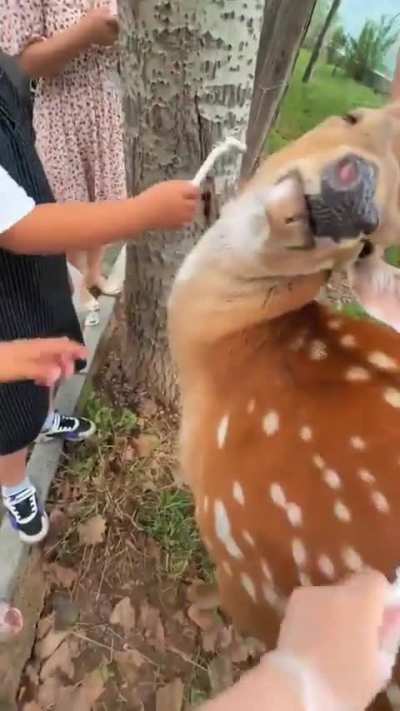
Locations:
column 188, row 75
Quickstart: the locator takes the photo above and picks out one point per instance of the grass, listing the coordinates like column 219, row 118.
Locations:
column 305, row 105
column 112, row 480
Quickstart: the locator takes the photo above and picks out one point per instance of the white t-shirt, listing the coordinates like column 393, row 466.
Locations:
column 15, row 204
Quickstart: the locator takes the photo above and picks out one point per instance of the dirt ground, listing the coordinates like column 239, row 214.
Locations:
column 117, row 629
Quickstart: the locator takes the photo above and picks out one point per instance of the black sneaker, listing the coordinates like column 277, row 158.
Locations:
column 27, row 515
column 70, row 429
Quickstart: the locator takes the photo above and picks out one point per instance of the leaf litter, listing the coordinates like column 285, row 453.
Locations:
column 122, row 627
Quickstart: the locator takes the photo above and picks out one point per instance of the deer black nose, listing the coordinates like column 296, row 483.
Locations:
column 345, row 207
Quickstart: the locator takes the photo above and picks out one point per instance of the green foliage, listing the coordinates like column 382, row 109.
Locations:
column 367, row 53
column 317, row 22
column 305, row 105
column 337, row 45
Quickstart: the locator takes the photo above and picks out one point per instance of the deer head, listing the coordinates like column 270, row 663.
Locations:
column 291, row 415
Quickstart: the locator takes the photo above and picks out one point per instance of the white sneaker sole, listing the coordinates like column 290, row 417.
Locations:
column 32, row 540
column 44, row 437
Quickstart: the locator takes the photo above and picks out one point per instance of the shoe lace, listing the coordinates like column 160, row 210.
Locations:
column 63, row 423
column 29, row 495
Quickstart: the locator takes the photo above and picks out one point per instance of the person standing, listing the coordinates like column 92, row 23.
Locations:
column 70, row 49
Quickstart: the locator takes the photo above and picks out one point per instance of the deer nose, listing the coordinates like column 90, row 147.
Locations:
column 345, row 208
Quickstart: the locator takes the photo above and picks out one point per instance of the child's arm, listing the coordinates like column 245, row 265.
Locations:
column 47, row 57
column 56, row 228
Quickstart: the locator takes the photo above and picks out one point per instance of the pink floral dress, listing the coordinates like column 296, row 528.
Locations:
column 77, row 114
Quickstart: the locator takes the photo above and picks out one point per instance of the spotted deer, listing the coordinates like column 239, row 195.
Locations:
column 290, row 429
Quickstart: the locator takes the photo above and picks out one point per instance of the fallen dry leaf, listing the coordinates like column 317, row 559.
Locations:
column 92, row 532
column 61, row 661
column 66, row 612
column 146, row 444
column 124, row 615
column 170, row 697
column 48, row 644
column 205, row 619
column 147, row 407
column 44, row 625
column 48, row 691
column 32, row 706
column 59, row 575
column 81, row 697
column 151, row 625
column 129, row 663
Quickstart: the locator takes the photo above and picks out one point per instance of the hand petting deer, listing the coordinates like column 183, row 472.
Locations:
column 290, row 435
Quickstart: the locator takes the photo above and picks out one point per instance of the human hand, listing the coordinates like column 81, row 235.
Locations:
column 171, row 204
column 342, row 640
column 100, row 27
column 45, row 361
column 11, row 622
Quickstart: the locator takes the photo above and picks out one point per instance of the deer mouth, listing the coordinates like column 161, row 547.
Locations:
column 345, row 207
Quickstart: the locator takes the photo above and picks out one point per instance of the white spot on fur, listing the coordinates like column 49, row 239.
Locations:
column 206, row 504
column 366, row 476
column 294, row 514
column 306, row 434
column 299, row 552
column 357, row 374
column 318, row 461
column 223, row 530
column 271, row 423
column 358, row 443
column 251, row 406
column 248, row 585
column 266, row 570
column 352, row 559
column 334, row 324
column 380, row 502
column 227, row 568
column 249, row 538
column 348, row 341
column 238, row 493
column 342, row 512
column 383, row 361
column 277, row 495
column 298, row 343
column 392, row 397
column 305, row 580
column 273, row 598
column 326, row 567
column 208, row 543
column 318, row 350
column 332, row 478
column 222, row 431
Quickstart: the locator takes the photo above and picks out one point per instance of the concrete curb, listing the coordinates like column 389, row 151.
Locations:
column 45, row 457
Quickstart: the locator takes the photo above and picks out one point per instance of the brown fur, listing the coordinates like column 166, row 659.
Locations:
column 290, row 419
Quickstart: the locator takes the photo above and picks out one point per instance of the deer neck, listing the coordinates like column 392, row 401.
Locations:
column 223, row 300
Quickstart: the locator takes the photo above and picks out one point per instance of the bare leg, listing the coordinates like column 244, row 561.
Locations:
column 95, row 276
column 13, row 468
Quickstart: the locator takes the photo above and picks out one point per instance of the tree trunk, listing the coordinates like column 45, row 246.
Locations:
column 320, row 41
column 281, row 37
column 188, row 76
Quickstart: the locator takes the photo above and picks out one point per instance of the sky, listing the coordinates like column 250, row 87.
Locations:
column 354, row 13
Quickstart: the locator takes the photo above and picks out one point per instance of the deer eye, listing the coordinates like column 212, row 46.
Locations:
column 351, row 119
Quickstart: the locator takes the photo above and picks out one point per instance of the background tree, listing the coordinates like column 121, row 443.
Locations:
column 322, row 37
column 367, row 53
column 337, row 48
column 188, row 73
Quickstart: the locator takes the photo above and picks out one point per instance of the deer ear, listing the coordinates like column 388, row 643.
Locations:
column 376, row 286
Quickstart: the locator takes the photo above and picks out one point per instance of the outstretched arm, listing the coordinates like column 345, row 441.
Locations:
column 56, row 228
